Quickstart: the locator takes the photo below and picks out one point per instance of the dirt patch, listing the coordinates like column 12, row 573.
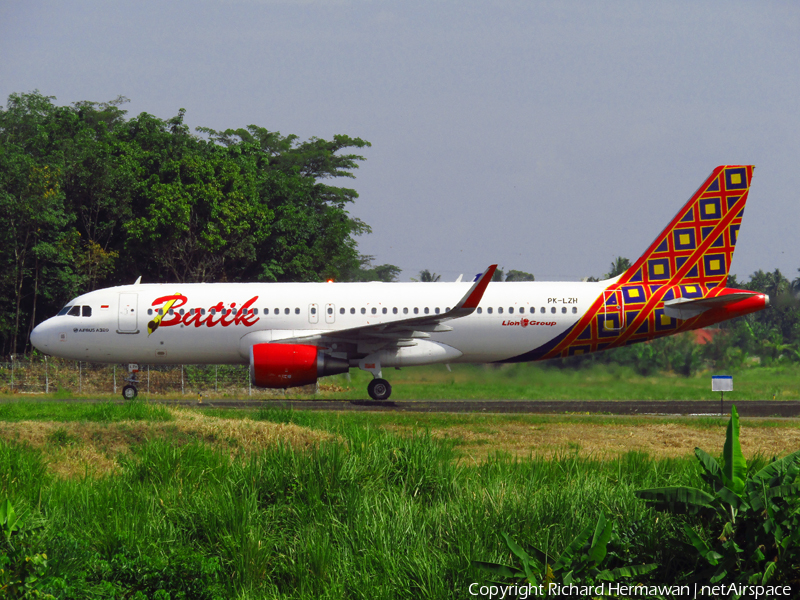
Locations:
column 91, row 449
column 660, row 440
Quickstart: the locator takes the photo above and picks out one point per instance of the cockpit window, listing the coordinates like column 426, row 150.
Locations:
column 63, row 311
column 87, row 311
column 75, row 311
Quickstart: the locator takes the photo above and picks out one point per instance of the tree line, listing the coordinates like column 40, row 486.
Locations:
column 92, row 198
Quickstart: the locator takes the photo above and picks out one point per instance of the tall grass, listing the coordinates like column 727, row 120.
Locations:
column 375, row 515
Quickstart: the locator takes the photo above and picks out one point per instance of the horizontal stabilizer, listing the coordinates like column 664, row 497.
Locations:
column 686, row 308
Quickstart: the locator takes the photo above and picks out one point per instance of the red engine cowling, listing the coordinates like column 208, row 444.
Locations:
column 291, row 365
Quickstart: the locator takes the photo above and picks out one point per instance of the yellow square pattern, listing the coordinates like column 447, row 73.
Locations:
column 578, row 352
column 634, row 293
column 690, row 289
column 665, row 320
column 658, row 269
column 683, row 238
column 607, row 324
column 714, row 265
column 736, row 178
column 711, row 209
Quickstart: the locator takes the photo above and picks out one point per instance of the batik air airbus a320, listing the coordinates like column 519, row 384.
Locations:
column 293, row 333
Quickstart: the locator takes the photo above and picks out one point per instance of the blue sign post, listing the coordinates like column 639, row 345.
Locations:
column 721, row 384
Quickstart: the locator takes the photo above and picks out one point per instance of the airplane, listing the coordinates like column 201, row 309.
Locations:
column 291, row 334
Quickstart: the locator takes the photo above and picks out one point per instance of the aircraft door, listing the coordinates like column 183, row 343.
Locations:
column 330, row 313
column 313, row 313
column 127, row 322
column 613, row 311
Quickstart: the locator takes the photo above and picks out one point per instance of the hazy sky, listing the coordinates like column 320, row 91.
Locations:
column 548, row 137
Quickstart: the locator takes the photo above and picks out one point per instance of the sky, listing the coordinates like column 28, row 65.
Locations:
column 548, row 137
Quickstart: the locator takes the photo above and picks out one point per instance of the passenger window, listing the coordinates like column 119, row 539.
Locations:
column 447, row 309
column 277, row 311
column 87, row 311
column 553, row 310
column 480, row 310
column 564, row 310
column 427, row 310
column 405, row 311
column 489, row 310
column 341, row 311
column 416, row 310
column 330, row 310
column 202, row 311
column 384, row 310
column 213, row 311
column 436, row 310
column 170, row 311
column 313, row 310
column 255, row 311
column 180, row 311
column 542, row 310
column 394, row 310
column 266, row 311
column 363, row 311
column 511, row 310
column 287, row 311
column 161, row 311
column 574, row 310
column 297, row 311
column 533, row 309
column 374, row 311
column 149, row 311
column 499, row 310
column 63, row 311
column 352, row 311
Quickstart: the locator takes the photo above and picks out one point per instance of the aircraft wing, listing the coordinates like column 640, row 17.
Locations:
column 686, row 308
column 404, row 331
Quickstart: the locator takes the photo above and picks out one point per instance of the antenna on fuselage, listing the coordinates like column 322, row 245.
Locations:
column 138, row 281
column 459, row 278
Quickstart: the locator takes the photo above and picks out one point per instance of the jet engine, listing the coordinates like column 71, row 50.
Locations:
column 291, row 365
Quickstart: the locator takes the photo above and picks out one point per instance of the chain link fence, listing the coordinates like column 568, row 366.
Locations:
column 44, row 375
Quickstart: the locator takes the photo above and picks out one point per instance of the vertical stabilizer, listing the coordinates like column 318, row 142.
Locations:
column 697, row 246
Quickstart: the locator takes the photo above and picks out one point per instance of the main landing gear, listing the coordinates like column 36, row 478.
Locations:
column 378, row 388
column 129, row 392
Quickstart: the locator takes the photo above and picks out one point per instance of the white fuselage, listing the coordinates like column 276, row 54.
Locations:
column 512, row 319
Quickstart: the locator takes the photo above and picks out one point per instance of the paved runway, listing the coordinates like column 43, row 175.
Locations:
column 748, row 408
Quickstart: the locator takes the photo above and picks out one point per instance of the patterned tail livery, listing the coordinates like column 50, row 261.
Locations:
column 678, row 283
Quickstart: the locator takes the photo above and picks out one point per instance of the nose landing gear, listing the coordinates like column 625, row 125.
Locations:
column 129, row 391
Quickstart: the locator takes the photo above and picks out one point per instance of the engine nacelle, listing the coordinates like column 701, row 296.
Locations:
column 291, row 365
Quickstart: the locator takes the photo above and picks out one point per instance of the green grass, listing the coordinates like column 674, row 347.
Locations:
column 21, row 409
column 374, row 515
column 378, row 517
column 604, row 382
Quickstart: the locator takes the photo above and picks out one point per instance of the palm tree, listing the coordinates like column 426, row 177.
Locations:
column 618, row 266
column 426, row 275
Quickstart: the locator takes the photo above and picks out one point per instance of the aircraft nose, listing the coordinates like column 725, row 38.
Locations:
column 39, row 337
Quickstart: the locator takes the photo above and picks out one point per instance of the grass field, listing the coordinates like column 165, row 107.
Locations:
column 603, row 382
column 530, row 381
column 141, row 499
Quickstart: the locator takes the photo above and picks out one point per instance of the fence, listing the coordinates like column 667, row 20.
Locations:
column 42, row 375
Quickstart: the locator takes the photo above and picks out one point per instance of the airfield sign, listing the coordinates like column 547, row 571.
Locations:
column 721, row 384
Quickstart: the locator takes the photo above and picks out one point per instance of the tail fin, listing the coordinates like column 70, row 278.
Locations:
column 697, row 246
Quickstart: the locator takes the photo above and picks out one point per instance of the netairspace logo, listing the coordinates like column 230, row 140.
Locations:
column 501, row 592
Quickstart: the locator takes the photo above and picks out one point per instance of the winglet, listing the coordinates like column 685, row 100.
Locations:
column 473, row 297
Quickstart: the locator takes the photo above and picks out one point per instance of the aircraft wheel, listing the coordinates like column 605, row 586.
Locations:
column 129, row 392
column 379, row 389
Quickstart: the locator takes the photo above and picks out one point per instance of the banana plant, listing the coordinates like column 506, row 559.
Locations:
column 580, row 562
column 755, row 520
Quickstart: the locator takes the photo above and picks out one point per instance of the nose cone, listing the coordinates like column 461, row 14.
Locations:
column 39, row 337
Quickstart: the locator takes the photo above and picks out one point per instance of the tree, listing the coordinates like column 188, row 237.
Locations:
column 514, row 275
column 366, row 271
column 618, row 266
column 427, row 276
